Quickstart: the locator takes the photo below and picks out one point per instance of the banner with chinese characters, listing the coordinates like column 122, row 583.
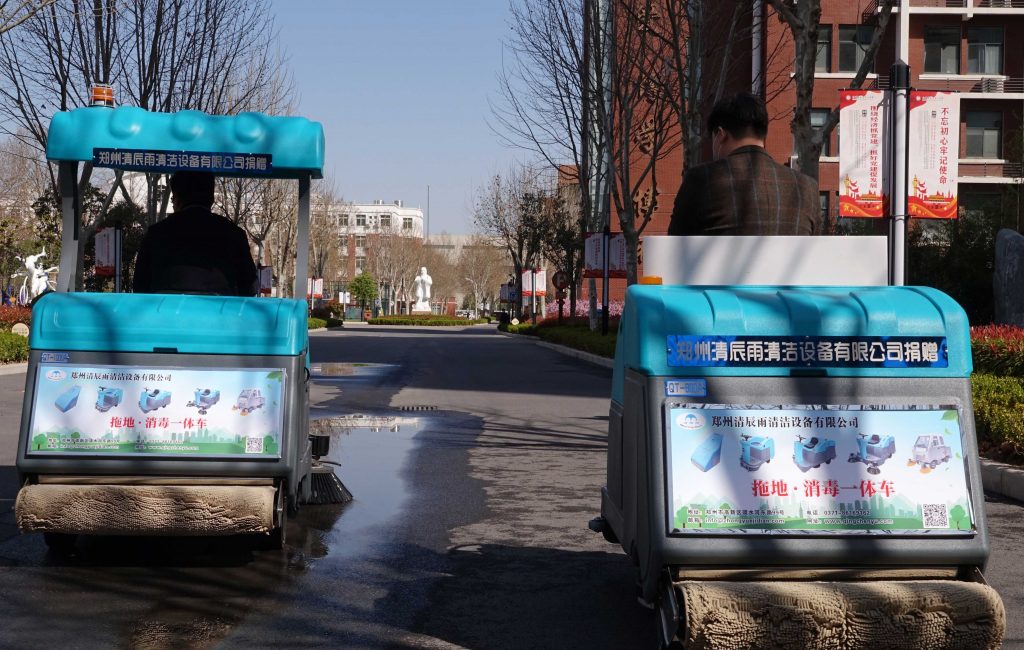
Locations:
column 686, row 350
column 933, row 153
column 135, row 411
column 166, row 162
column 106, row 255
column 852, row 469
column 863, row 116
column 593, row 255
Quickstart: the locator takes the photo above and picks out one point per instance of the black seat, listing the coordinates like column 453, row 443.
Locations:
column 812, row 443
column 874, row 440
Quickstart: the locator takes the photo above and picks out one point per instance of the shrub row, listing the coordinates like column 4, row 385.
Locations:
column 998, row 350
column 316, row 323
column 427, row 321
column 11, row 315
column 998, row 405
column 577, row 336
column 13, row 348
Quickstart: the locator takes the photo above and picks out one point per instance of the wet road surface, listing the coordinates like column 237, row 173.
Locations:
column 475, row 465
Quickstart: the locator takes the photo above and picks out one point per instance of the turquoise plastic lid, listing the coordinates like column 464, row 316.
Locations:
column 133, row 322
column 295, row 144
column 662, row 326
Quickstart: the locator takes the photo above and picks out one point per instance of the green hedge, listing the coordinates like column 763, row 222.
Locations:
column 998, row 409
column 577, row 336
column 335, row 322
column 425, row 321
column 316, row 323
column 998, row 350
column 13, row 348
column 11, row 315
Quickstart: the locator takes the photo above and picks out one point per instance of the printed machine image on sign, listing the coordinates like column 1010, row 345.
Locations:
column 121, row 410
column 851, row 469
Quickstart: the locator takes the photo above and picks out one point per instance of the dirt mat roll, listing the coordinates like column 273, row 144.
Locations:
column 146, row 509
column 911, row 614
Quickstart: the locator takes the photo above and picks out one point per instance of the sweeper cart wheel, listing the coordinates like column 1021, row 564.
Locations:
column 60, row 543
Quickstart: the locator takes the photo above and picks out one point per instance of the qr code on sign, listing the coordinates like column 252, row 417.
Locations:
column 254, row 445
column 935, row 515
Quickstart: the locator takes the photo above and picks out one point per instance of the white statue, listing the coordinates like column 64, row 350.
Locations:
column 39, row 277
column 422, row 284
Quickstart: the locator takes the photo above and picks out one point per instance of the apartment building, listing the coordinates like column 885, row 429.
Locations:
column 971, row 47
column 359, row 221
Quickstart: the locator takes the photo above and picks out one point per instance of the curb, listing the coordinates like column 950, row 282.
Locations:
column 589, row 357
column 1003, row 479
column 13, row 368
column 594, row 359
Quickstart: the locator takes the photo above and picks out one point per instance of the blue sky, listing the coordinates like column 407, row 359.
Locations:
column 401, row 87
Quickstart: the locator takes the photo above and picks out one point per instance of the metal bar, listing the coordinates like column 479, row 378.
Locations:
column 302, row 240
column 67, row 180
column 900, row 90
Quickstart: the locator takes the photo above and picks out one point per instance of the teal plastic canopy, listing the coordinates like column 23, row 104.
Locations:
column 188, row 324
column 676, row 331
column 294, row 146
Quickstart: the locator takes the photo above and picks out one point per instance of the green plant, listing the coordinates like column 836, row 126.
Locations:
column 998, row 350
column 10, row 315
column 426, row 320
column 316, row 323
column 13, row 348
column 363, row 289
column 998, row 404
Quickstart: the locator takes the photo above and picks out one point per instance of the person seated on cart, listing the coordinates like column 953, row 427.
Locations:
column 194, row 250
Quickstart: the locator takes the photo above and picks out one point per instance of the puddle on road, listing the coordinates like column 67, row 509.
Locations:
column 194, row 592
column 370, row 451
column 343, row 370
column 348, row 424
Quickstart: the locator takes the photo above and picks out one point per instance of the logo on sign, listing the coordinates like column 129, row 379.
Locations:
column 56, row 375
column 690, row 421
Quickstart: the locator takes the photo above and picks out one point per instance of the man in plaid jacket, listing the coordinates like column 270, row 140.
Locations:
column 744, row 191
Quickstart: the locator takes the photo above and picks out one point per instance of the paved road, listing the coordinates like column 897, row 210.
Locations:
column 468, row 528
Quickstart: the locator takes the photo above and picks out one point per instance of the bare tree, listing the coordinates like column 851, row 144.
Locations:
column 803, row 18
column 511, row 208
column 480, row 265
column 643, row 133
column 565, row 230
column 15, row 12
column 393, row 259
column 165, row 55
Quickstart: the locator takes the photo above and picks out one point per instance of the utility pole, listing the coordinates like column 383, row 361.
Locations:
column 899, row 87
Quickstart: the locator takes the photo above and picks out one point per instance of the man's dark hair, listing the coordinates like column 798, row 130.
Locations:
column 192, row 188
column 742, row 115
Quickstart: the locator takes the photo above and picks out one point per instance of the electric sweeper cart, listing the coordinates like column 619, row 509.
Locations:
column 796, row 466
column 131, row 424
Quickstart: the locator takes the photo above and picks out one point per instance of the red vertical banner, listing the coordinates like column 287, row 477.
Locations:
column 933, row 153
column 863, row 181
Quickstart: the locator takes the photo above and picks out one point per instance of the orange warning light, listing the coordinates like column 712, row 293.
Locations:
column 101, row 95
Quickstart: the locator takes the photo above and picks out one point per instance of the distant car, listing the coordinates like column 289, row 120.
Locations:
column 463, row 313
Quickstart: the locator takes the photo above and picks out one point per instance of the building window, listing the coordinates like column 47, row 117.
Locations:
column 344, row 220
column 985, row 50
column 360, row 263
column 360, row 241
column 819, row 116
column 984, row 134
column 854, row 41
column 942, row 50
column 823, row 204
column 385, row 221
column 361, row 220
column 406, row 223
column 823, row 60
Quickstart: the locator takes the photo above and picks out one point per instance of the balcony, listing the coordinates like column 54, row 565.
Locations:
column 924, row 6
column 972, row 170
column 975, row 84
